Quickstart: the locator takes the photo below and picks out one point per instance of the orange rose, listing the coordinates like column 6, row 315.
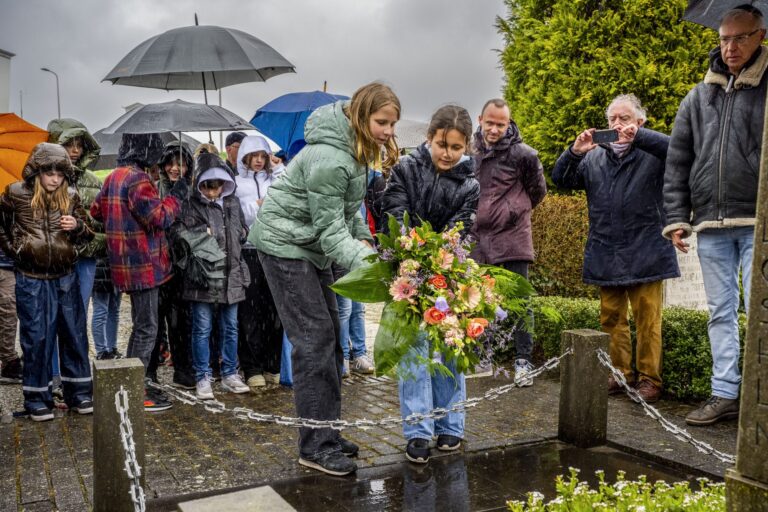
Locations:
column 476, row 327
column 433, row 316
column 438, row 281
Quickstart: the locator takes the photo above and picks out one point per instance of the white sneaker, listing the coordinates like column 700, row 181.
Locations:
column 522, row 369
column 271, row 378
column 203, row 390
column 234, row 384
column 345, row 370
column 361, row 365
column 257, row 381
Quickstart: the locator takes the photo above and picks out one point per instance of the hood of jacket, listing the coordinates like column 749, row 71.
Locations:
column 142, row 149
column 211, row 167
column 170, row 151
column 251, row 144
column 511, row 137
column 465, row 168
column 48, row 155
column 330, row 125
column 61, row 131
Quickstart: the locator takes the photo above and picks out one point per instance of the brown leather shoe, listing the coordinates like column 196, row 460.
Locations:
column 614, row 388
column 648, row 391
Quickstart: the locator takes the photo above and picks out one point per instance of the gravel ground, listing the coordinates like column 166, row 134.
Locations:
column 11, row 399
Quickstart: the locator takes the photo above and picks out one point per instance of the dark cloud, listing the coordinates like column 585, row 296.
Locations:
column 430, row 51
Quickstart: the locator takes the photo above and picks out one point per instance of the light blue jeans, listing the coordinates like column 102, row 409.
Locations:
column 421, row 392
column 202, row 324
column 106, row 314
column 722, row 252
column 286, row 368
column 352, row 327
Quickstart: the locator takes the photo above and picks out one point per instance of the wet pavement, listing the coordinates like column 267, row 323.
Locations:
column 192, row 452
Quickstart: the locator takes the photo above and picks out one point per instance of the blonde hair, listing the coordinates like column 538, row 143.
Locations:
column 205, row 148
column 43, row 201
column 366, row 101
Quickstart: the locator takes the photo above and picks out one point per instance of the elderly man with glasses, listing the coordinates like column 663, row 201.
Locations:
column 710, row 187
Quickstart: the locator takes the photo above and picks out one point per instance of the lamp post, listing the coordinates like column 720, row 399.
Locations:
column 58, row 98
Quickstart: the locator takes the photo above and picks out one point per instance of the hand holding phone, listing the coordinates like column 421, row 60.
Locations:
column 604, row 136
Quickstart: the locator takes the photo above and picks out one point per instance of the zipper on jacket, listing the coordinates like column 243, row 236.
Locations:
column 730, row 93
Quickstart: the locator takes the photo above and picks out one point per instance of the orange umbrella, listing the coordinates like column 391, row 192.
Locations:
column 17, row 138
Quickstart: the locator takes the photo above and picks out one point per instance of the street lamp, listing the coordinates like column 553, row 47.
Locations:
column 58, row 98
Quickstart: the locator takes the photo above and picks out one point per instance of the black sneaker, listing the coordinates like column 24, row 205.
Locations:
column 335, row 463
column 348, row 448
column 41, row 414
column 116, row 354
column 417, row 450
column 183, row 380
column 84, row 407
column 448, row 443
column 156, row 401
column 101, row 356
column 11, row 371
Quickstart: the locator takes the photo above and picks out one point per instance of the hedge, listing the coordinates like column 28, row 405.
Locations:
column 686, row 355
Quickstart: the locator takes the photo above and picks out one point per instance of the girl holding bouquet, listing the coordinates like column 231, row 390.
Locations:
column 310, row 219
column 436, row 184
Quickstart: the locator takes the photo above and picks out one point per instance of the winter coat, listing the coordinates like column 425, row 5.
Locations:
column 62, row 131
column 36, row 242
column 312, row 212
column 624, row 196
column 714, row 155
column 511, row 185
column 102, row 279
column 252, row 187
column 441, row 198
column 223, row 221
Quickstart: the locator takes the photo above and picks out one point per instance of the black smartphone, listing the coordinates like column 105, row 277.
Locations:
column 603, row 136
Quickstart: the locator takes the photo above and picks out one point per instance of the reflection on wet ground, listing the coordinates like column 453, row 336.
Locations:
column 472, row 482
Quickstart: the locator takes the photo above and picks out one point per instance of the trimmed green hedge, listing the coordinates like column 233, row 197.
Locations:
column 687, row 359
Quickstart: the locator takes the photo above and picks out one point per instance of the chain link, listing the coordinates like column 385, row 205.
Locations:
column 679, row 433
column 132, row 467
column 216, row 407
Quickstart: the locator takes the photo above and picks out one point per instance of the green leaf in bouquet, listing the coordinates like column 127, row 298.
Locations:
column 397, row 333
column 508, row 284
column 366, row 284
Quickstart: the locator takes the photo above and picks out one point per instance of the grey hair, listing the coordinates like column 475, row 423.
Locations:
column 744, row 10
column 632, row 100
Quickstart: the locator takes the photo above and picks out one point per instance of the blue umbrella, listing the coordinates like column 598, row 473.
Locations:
column 283, row 118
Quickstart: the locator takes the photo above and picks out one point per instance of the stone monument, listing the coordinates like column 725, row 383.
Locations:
column 687, row 291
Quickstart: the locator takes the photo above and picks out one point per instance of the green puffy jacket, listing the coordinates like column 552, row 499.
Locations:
column 313, row 211
column 88, row 185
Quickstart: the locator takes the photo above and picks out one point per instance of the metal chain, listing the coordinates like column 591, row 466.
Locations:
column 679, row 433
column 132, row 467
column 216, row 407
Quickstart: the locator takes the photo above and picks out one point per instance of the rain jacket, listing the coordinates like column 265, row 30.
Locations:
column 61, row 131
column 312, row 212
column 223, row 226
column 135, row 217
column 440, row 198
column 252, row 187
column 511, row 185
column 38, row 245
column 714, row 155
column 624, row 245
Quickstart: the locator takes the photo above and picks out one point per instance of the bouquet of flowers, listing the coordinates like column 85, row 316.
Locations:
column 432, row 288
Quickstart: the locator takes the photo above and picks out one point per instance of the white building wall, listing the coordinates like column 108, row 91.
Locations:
column 5, row 81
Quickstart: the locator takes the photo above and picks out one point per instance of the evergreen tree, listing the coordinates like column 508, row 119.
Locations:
column 565, row 60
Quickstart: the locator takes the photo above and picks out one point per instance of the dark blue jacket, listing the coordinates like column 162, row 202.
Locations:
column 626, row 215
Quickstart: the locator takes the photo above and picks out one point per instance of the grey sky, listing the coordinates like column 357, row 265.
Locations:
column 430, row 51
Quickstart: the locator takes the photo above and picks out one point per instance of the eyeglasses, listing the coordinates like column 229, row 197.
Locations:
column 212, row 184
column 740, row 40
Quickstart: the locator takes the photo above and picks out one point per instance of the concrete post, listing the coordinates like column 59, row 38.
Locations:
column 583, row 418
column 747, row 485
column 111, row 485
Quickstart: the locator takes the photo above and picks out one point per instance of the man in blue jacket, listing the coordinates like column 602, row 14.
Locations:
column 710, row 187
column 626, row 256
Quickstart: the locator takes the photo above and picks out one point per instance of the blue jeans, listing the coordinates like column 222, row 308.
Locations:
column 422, row 392
column 85, row 268
column 286, row 369
column 106, row 313
column 351, row 326
column 722, row 252
column 202, row 324
column 47, row 309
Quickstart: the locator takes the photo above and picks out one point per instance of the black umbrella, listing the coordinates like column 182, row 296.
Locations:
column 199, row 57
column 177, row 116
column 710, row 12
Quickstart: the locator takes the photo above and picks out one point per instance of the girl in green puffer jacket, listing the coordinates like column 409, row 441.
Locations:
column 311, row 218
